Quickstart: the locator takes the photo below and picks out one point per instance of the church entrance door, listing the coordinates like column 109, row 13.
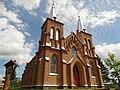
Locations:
column 76, row 76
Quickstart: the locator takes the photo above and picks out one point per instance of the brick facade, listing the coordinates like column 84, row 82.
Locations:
column 62, row 62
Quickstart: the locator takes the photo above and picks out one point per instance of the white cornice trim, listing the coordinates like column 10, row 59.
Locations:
column 54, row 74
column 55, row 48
column 72, row 85
column 93, row 76
column 64, row 61
column 88, row 65
column 98, row 66
column 95, row 55
column 40, row 59
column 63, row 48
column 47, row 58
column 86, row 85
column 86, row 53
column 65, row 85
column 48, row 44
column 103, row 85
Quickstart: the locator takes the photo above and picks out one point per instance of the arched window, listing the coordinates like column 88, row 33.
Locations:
column 91, row 69
column 85, row 41
column 72, row 38
column 74, row 52
column 85, row 46
column 57, row 34
column 89, row 44
column 53, row 64
column 51, row 33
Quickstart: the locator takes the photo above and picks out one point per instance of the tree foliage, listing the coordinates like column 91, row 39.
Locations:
column 104, row 70
column 16, row 82
column 114, row 66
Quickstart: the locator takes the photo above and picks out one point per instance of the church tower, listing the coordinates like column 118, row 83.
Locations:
column 51, row 48
column 61, row 62
column 93, row 69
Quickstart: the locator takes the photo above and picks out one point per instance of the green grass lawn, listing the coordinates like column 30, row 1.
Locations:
column 63, row 89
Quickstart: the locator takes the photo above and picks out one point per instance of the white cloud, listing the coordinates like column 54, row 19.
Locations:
column 103, row 18
column 27, row 4
column 10, row 15
column 102, row 50
column 3, row 23
column 26, row 33
column 13, row 42
column 7, row 16
column 67, row 12
column 92, row 13
column 13, row 45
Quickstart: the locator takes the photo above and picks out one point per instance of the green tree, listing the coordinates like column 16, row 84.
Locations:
column 104, row 70
column 114, row 66
column 15, row 83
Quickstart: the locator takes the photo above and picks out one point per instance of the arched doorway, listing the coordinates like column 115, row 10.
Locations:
column 76, row 76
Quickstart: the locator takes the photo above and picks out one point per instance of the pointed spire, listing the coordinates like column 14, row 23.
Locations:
column 80, row 26
column 52, row 13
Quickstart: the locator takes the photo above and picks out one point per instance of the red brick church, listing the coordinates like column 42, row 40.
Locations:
column 63, row 62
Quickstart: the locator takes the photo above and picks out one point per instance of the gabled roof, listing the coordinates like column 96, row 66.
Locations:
column 11, row 62
column 77, row 38
column 72, row 33
column 74, row 58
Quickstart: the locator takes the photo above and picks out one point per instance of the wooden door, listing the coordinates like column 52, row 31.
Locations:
column 76, row 76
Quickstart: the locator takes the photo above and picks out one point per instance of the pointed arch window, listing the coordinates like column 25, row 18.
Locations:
column 91, row 69
column 53, row 64
column 89, row 44
column 85, row 46
column 74, row 51
column 51, row 33
column 57, row 34
column 85, row 41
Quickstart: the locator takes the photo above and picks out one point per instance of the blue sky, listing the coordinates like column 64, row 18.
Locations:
column 20, row 22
